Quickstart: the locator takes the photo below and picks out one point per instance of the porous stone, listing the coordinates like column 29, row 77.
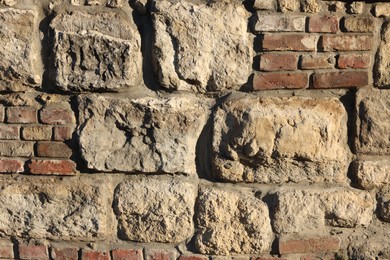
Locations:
column 20, row 63
column 278, row 140
column 373, row 121
column 382, row 66
column 8, row 2
column 288, row 5
column 375, row 248
column 372, row 174
column 95, row 52
column 68, row 209
column 384, row 203
column 231, row 222
column 356, row 7
column 311, row 6
column 142, row 134
column 382, row 9
column 311, row 210
column 192, row 54
column 155, row 209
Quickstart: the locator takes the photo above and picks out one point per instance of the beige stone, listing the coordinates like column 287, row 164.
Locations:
column 372, row 174
column 231, row 222
column 382, row 9
column 356, row 7
column 384, row 203
column 288, row 5
column 311, row 6
column 359, row 24
column 264, row 4
column 280, row 23
column 8, row 2
column 382, row 66
column 155, row 209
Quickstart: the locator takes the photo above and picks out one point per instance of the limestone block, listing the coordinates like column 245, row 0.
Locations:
column 231, row 222
column 155, row 209
column 372, row 174
column 96, row 52
column 278, row 140
column 382, row 66
column 191, row 52
column 140, row 135
column 264, row 4
column 373, row 121
column 68, row 209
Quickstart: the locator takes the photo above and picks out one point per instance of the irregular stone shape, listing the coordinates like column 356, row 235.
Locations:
column 192, row 54
column 373, row 121
column 144, row 134
column 378, row 248
column 384, row 203
column 382, row 9
column 382, row 66
column 96, row 52
column 311, row 6
column 288, row 5
column 311, row 210
column 68, row 209
column 372, row 174
column 20, row 63
column 155, row 209
column 230, row 222
column 261, row 140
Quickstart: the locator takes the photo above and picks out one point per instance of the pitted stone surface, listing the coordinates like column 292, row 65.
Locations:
column 155, row 209
column 231, row 222
column 141, row 135
column 382, row 67
column 193, row 53
column 277, row 140
column 96, row 52
column 384, row 203
column 372, row 174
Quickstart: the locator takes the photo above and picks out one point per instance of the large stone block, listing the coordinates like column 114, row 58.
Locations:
column 277, row 140
column 96, row 52
column 155, row 209
column 231, row 222
column 20, row 63
column 69, row 209
column 372, row 173
column 311, row 210
column 382, row 66
column 200, row 46
column 373, row 121
column 141, row 135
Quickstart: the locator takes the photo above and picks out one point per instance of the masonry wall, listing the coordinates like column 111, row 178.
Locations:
column 194, row 130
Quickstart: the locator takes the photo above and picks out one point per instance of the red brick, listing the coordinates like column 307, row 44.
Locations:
column 22, row 115
column 193, row 257
column 312, row 245
column 275, row 61
column 346, row 42
column 346, row 79
column 95, row 255
column 65, row 253
column 317, row 61
column 2, row 110
column 54, row 167
column 353, row 61
column 324, row 24
column 289, row 42
column 267, row 258
column 34, row 133
column 33, row 252
column 159, row 254
column 63, row 133
column 280, row 81
column 127, row 254
column 6, row 250
column 56, row 116
column 53, row 149
column 11, row 166
column 9, row 132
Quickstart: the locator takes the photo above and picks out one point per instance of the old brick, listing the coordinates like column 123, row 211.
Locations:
column 317, row 61
column 346, row 42
column 33, row 252
column 21, row 115
column 347, row 79
column 160, row 254
column 54, row 167
column 289, row 42
column 38, row 132
column 56, row 116
column 16, row 148
column 323, row 24
column 353, row 61
column 193, row 257
column 275, row 62
column 372, row 174
column 95, row 255
column 63, row 133
column 9, row 132
column 11, row 166
column 382, row 9
column 53, row 149
column 69, row 253
column 279, row 81
column 6, row 250
column 264, row 4
column 127, row 254
column 311, row 245
column 358, row 24
column 279, row 23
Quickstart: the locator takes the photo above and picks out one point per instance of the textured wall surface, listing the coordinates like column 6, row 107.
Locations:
column 194, row 129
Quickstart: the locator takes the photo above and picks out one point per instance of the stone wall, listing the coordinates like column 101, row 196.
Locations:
column 194, row 130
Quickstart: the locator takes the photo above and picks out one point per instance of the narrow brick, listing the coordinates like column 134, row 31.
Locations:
column 159, row 254
column 22, row 115
column 65, row 253
column 289, row 42
column 346, row 42
column 51, row 167
column 353, row 61
column 53, row 149
column 56, row 116
column 323, row 24
column 280, row 81
column 16, row 148
column 317, row 61
column 358, row 24
column 95, row 255
column 6, row 250
column 348, row 79
column 9, row 132
column 33, row 252
column 63, row 133
column 11, row 166
column 127, row 254
column 280, row 23
column 312, row 245
column 277, row 62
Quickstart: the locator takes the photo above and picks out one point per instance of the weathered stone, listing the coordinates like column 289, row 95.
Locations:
column 382, row 66
column 193, row 54
column 264, row 4
column 96, row 52
column 372, row 174
column 277, row 140
column 384, row 203
column 373, row 121
column 8, row 2
column 311, row 210
column 144, row 134
column 230, row 222
column 155, row 209
column 382, row 9
column 20, row 63
column 359, row 24
column 311, row 6
column 69, row 209
column 356, row 7
column 375, row 248
column 279, row 23
column 288, row 5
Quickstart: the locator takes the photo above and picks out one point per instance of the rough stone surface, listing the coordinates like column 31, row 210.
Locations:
column 231, row 222
column 155, row 209
column 311, row 6
column 193, row 54
column 96, row 52
column 382, row 66
column 373, row 121
column 279, row 23
column 69, row 209
column 384, row 203
column 144, row 134
column 264, row 4
column 382, row 9
column 311, row 210
column 288, row 5
column 261, row 140
column 372, row 174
